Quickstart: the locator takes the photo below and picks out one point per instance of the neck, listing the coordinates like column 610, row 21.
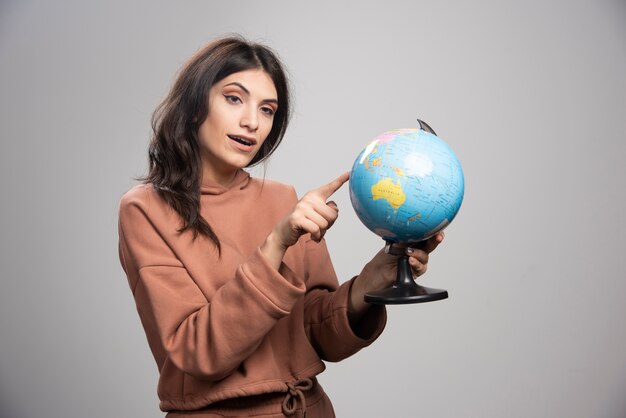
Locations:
column 222, row 178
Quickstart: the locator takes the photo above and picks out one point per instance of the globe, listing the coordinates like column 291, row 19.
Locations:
column 406, row 185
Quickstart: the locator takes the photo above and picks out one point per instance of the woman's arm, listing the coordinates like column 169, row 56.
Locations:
column 326, row 303
column 326, row 318
column 311, row 215
column 380, row 273
column 205, row 338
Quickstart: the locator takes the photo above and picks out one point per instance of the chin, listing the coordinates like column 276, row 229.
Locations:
column 240, row 164
column 244, row 162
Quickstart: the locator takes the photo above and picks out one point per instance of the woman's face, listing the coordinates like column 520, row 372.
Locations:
column 241, row 113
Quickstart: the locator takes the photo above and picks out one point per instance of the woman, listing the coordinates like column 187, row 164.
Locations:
column 231, row 275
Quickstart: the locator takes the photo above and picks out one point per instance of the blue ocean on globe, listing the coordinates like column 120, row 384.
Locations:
column 406, row 185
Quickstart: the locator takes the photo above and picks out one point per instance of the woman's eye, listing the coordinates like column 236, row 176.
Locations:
column 232, row 99
column 268, row 110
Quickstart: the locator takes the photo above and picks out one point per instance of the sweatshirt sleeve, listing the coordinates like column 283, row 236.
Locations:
column 326, row 310
column 207, row 339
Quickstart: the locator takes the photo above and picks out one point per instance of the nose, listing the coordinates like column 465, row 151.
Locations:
column 250, row 119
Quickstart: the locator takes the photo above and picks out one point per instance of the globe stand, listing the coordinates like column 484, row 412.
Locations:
column 405, row 290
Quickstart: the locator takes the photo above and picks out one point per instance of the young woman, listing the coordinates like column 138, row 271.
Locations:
column 231, row 275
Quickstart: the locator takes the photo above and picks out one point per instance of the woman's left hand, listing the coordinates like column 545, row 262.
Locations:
column 380, row 273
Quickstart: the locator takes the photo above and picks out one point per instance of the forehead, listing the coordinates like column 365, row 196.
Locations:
column 256, row 81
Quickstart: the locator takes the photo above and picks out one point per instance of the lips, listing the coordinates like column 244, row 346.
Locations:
column 243, row 140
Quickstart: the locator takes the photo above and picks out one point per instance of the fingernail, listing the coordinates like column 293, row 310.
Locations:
column 409, row 250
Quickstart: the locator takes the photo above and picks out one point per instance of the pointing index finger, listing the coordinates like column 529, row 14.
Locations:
column 327, row 190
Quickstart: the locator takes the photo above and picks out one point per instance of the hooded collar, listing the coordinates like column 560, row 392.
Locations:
column 241, row 180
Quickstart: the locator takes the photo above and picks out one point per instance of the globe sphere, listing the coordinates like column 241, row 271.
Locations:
column 406, row 185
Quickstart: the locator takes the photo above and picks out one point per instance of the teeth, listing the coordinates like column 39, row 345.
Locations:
column 240, row 140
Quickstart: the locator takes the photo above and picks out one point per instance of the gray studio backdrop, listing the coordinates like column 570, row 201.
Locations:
column 530, row 95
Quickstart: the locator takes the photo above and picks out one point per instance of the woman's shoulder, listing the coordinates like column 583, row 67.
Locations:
column 144, row 197
column 275, row 187
column 140, row 193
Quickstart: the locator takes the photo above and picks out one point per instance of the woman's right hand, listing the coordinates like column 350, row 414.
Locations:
column 311, row 215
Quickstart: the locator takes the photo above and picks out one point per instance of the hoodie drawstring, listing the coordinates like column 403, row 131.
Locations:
column 296, row 393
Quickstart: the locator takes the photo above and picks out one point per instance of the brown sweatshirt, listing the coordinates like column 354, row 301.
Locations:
column 230, row 325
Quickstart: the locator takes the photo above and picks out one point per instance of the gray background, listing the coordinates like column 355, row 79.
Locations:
column 530, row 95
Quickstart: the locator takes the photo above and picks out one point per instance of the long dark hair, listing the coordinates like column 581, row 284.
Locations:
column 175, row 167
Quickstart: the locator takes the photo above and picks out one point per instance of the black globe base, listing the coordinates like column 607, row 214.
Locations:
column 404, row 295
column 405, row 290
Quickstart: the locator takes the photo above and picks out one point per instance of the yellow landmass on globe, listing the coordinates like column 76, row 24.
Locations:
column 390, row 191
column 399, row 171
column 415, row 218
column 370, row 151
column 375, row 163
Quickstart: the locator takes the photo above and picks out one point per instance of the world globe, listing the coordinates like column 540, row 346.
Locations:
column 406, row 185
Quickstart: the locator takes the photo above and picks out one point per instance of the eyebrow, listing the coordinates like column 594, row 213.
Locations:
column 242, row 87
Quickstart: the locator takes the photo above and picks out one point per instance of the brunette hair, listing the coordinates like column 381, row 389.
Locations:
column 175, row 167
